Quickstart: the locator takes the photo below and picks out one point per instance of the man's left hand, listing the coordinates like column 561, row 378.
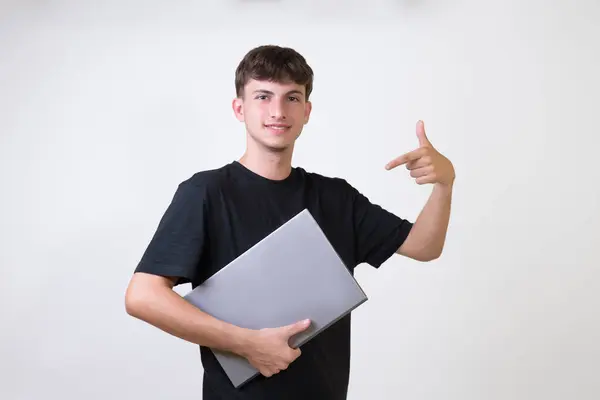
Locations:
column 425, row 164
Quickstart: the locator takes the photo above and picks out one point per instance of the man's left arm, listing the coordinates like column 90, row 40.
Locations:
column 426, row 239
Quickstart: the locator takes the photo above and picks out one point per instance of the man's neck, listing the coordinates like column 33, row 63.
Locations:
column 275, row 166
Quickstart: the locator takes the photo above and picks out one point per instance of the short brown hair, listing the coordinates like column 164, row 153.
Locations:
column 276, row 64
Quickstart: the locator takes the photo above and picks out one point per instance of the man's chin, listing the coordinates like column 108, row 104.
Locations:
column 278, row 145
column 275, row 144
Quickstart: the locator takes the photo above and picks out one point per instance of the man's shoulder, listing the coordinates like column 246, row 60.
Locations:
column 206, row 179
column 327, row 182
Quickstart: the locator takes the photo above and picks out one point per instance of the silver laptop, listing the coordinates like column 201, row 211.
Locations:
column 292, row 274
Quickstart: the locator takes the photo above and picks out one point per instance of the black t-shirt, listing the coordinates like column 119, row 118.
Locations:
column 218, row 214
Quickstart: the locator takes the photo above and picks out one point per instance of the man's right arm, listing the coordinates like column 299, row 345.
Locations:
column 151, row 298
column 173, row 256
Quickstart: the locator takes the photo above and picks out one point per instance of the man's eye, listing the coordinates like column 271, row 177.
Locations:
column 294, row 99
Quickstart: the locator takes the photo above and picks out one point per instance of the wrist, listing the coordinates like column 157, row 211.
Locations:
column 241, row 340
column 446, row 187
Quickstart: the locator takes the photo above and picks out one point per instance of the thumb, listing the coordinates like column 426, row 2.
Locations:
column 423, row 140
column 297, row 327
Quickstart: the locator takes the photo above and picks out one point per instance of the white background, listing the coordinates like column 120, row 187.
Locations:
column 106, row 106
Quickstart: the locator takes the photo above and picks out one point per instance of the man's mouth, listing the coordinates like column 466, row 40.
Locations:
column 278, row 127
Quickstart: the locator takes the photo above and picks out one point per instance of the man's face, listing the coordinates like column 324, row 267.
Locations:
column 274, row 113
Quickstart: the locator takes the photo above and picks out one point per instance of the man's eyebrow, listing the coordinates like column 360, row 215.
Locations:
column 264, row 91
column 295, row 92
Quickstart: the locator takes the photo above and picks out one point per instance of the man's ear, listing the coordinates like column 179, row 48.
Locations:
column 307, row 111
column 238, row 108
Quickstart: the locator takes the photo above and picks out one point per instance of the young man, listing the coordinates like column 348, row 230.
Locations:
column 218, row 214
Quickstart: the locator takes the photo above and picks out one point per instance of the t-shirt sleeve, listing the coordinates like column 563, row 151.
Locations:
column 378, row 232
column 177, row 245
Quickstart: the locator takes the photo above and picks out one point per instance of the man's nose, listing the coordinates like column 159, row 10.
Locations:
column 277, row 110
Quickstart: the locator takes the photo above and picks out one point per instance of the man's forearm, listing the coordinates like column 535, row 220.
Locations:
column 427, row 237
column 168, row 311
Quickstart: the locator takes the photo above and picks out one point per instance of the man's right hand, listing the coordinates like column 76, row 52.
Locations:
column 269, row 351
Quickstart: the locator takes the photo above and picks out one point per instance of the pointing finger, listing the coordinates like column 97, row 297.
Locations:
column 403, row 159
